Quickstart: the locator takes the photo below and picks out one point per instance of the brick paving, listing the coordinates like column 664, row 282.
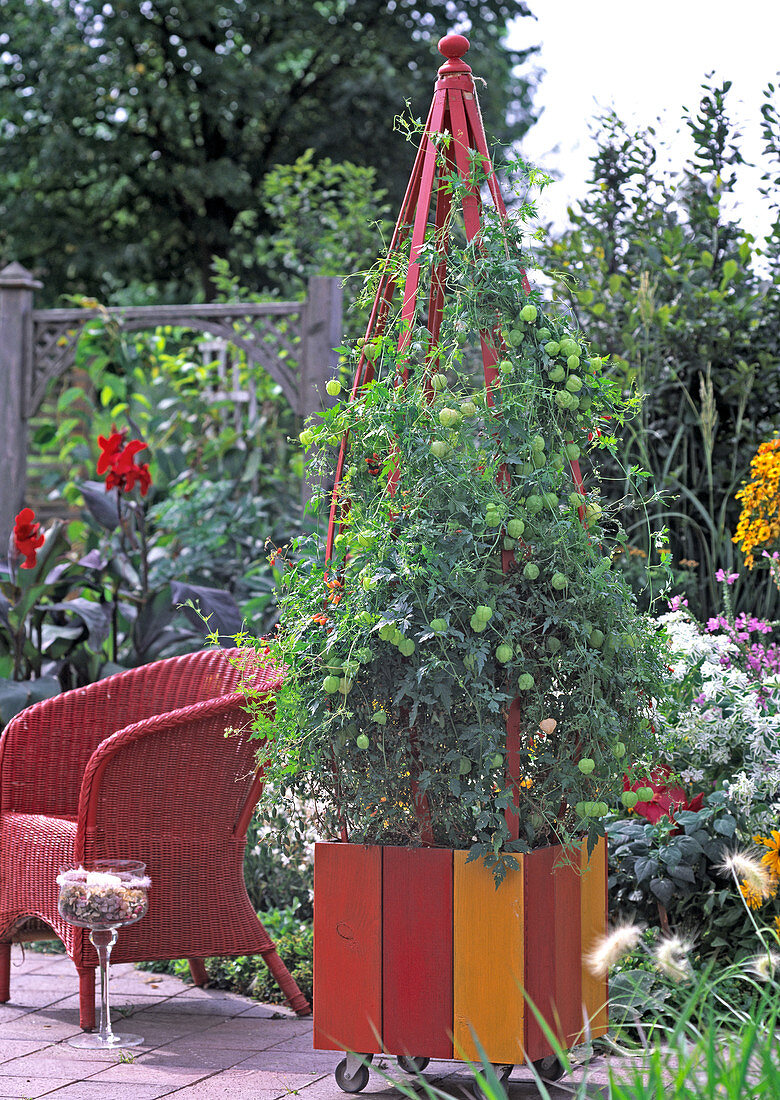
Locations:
column 200, row 1044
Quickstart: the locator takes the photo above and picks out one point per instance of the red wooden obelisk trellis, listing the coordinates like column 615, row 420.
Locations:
column 454, row 112
column 416, row 952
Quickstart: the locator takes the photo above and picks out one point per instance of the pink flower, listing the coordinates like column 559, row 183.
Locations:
column 729, row 578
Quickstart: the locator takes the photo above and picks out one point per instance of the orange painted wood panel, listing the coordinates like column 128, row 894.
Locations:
column 540, row 928
column 488, row 962
column 593, row 910
column 347, row 947
column 417, row 951
column 568, row 947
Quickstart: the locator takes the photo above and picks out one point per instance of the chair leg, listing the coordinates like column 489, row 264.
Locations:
column 198, row 971
column 87, row 998
column 287, row 983
column 5, row 972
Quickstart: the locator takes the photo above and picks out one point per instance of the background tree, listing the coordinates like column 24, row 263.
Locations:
column 687, row 303
column 136, row 136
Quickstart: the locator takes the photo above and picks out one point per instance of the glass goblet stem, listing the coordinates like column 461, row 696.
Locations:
column 103, row 940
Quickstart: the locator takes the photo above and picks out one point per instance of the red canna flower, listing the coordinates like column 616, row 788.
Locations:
column 117, row 461
column 110, row 449
column 27, row 537
column 665, row 801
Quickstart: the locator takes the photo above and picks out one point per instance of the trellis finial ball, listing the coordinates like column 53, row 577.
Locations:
column 453, row 45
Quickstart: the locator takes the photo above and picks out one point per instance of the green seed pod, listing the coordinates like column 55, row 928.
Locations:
column 629, row 799
column 528, row 313
column 586, row 765
column 553, row 644
column 537, row 443
column 531, row 571
column 596, row 638
column 573, row 362
column 645, row 794
column 477, row 625
column 557, row 374
column 515, row 337
column 406, row 647
column 464, row 767
column 379, row 717
column 544, row 334
column 483, row 612
column 619, row 749
column 331, row 684
column 574, row 383
column 333, row 387
column 552, row 347
column 386, row 632
column 559, row 581
column 525, row 681
column 504, row 654
column 515, row 528
column 534, row 503
column 572, row 452
column 439, row 625
column 468, row 408
column 439, row 382
column 362, row 741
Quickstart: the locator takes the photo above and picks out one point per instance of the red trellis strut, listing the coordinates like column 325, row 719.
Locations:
column 454, row 112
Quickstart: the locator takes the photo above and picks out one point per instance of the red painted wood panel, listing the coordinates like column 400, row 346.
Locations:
column 540, row 927
column 347, row 947
column 417, row 951
column 568, row 947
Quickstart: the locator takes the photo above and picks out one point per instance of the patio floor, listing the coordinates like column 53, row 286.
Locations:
column 201, row 1044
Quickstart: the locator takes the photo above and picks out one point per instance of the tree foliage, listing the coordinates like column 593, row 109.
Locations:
column 659, row 269
column 136, row 136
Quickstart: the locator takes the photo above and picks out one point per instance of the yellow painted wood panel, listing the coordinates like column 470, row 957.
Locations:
column 488, row 960
column 593, row 914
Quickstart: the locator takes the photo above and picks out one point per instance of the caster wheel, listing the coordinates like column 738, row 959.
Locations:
column 355, row 1081
column 412, row 1065
column 502, row 1071
column 549, row 1068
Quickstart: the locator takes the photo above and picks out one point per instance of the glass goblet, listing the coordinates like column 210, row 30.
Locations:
column 104, row 895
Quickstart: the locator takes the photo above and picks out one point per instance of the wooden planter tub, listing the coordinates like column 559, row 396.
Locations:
column 416, row 952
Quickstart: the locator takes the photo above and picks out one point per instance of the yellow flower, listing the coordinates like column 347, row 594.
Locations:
column 753, row 898
column 772, row 857
column 759, row 522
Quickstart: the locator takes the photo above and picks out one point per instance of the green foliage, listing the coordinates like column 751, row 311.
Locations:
column 397, row 686
column 687, row 304
column 233, row 485
column 278, row 861
column 169, row 116
column 323, row 220
column 674, row 871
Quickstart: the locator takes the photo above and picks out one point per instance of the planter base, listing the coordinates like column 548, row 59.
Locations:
column 416, row 953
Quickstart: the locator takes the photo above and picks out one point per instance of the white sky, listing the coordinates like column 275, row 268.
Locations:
column 647, row 60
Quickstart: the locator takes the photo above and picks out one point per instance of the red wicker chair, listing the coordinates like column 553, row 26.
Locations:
column 150, row 764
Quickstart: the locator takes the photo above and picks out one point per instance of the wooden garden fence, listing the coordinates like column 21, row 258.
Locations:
column 292, row 341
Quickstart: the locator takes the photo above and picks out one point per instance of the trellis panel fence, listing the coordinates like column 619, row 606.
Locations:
column 293, row 341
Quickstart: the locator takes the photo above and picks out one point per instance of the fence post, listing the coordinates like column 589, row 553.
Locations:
column 321, row 332
column 16, row 303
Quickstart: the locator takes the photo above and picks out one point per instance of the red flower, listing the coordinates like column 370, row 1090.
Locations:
column 27, row 537
column 110, row 449
column 665, row 801
column 117, row 461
